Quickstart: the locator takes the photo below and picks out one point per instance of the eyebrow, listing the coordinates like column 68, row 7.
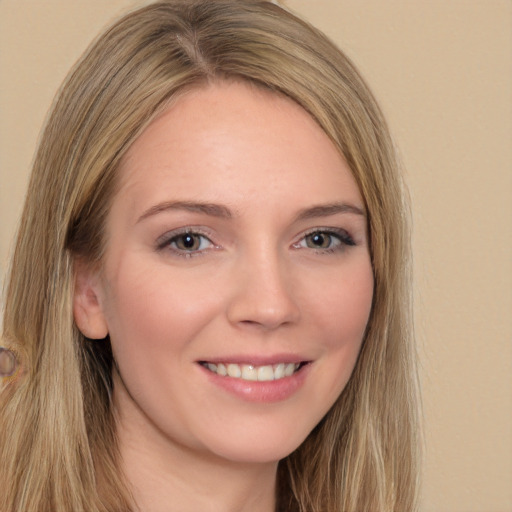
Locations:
column 220, row 211
column 326, row 210
column 214, row 210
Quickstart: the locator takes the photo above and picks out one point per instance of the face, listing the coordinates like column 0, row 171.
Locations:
column 236, row 284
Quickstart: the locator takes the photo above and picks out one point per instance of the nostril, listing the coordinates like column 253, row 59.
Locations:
column 263, row 296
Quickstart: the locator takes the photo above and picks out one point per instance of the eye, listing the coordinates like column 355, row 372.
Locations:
column 186, row 243
column 326, row 240
column 189, row 242
column 319, row 240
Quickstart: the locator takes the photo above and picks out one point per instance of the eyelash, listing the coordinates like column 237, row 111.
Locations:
column 165, row 241
column 343, row 237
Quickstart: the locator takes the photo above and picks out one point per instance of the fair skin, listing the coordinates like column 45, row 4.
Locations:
column 237, row 239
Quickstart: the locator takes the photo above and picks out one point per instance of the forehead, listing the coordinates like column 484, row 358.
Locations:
column 229, row 141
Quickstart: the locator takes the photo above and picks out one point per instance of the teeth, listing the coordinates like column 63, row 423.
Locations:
column 266, row 373
column 249, row 372
column 289, row 369
column 253, row 373
column 279, row 371
column 234, row 371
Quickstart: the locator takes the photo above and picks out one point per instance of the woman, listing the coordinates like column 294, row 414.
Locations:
column 209, row 296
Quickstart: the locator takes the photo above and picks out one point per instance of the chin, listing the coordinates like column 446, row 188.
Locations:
column 259, row 447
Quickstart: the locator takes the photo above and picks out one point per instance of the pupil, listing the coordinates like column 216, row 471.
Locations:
column 319, row 240
column 188, row 241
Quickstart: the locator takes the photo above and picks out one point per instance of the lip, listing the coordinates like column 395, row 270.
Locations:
column 259, row 391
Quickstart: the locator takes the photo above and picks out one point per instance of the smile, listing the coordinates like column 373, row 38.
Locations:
column 251, row 372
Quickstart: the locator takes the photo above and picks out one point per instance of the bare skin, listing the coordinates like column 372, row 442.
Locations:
column 193, row 481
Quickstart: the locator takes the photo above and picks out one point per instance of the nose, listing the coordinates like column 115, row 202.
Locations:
column 263, row 295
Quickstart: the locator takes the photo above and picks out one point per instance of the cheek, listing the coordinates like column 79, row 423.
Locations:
column 341, row 308
column 341, row 314
column 155, row 310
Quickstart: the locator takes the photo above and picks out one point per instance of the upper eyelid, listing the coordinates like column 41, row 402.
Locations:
column 194, row 230
column 324, row 229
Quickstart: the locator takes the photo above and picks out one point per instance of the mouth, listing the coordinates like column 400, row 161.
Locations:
column 250, row 372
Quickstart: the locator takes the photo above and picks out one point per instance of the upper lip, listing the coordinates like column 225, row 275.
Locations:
column 256, row 359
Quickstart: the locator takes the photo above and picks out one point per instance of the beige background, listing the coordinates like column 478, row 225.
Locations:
column 442, row 70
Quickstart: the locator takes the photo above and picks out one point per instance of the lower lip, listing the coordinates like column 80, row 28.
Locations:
column 261, row 392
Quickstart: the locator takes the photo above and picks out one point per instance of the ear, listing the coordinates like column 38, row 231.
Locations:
column 87, row 304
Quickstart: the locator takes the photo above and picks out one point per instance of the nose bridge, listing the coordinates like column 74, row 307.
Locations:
column 264, row 291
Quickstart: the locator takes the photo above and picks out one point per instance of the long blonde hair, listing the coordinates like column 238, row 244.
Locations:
column 58, row 448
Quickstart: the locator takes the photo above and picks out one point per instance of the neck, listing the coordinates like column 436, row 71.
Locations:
column 168, row 477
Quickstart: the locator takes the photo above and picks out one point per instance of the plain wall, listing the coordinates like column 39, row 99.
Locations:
column 442, row 70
